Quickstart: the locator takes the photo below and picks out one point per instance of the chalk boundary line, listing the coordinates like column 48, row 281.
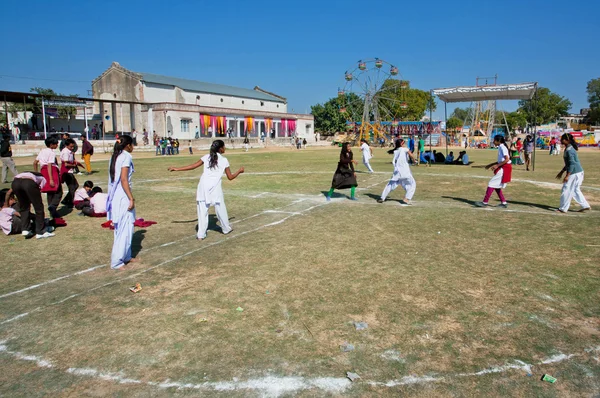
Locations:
column 276, row 386
column 174, row 259
column 300, row 198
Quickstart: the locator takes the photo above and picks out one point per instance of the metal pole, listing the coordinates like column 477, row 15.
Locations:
column 44, row 117
column 6, row 113
column 430, row 124
column 446, row 121
column 534, row 131
column 25, row 120
column 87, row 134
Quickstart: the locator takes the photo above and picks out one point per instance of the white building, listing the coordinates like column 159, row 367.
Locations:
column 177, row 107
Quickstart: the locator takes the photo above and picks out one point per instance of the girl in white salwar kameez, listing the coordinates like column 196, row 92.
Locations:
column 402, row 175
column 120, row 204
column 210, row 192
column 571, row 188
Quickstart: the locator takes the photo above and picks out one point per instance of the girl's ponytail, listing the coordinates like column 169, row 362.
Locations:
column 214, row 153
column 569, row 137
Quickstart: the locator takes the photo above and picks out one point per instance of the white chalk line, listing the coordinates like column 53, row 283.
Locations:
column 534, row 182
column 274, row 386
column 174, row 259
column 51, row 281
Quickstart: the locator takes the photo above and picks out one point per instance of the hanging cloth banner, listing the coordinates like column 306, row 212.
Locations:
column 249, row 124
column 291, row 126
column 268, row 124
column 213, row 123
column 284, row 127
column 205, row 125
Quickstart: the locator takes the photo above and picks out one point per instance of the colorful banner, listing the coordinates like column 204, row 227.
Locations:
column 248, row 124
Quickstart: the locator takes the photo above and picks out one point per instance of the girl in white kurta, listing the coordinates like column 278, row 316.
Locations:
column 571, row 188
column 120, row 204
column 402, row 175
column 367, row 154
column 210, row 192
column 502, row 169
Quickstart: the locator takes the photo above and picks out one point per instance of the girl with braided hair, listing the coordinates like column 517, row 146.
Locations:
column 209, row 190
column 571, row 188
column 120, row 204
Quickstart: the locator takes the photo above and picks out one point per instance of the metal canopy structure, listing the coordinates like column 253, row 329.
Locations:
column 522, row 91
column 489, row 93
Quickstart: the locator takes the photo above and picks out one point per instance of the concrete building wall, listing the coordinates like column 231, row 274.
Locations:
column 156, row 93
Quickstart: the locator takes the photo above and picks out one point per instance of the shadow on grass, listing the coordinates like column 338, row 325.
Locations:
column 336, row 194
column 65, row 210
column 388, row 199
column 136, row 242
column 512, row 202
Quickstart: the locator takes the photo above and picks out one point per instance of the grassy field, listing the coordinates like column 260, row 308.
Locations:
column 459, row 301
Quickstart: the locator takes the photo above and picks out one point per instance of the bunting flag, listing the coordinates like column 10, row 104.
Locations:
column 213, row 123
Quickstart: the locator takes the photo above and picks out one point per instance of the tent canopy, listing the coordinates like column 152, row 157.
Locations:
column 522, row 91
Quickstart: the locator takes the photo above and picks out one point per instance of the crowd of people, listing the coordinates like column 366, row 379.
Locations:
column 345, row 174
column 167, row 146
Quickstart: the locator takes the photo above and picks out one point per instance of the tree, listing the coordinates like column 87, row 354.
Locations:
column 454, row 123
column 403, row 103
column 516, row 120
column 545, row 107
column 64, row 112
column 328, row 116
column 461, row 114
column 593, row 91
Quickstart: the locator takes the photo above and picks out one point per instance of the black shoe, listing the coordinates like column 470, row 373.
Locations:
column 380, row 200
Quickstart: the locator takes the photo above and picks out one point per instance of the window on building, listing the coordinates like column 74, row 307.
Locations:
column 242, row 102
column 262, row 103
column 185, row 125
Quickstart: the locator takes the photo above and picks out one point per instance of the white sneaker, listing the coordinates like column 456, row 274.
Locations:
column 44, row 235
column 26, row 233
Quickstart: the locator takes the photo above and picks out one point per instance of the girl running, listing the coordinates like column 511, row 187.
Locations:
column 571, row 188
column 367, row 154
column 402, row 175
column 502, row 173
column 120, row 204
column 344, row 176
column 209, row 190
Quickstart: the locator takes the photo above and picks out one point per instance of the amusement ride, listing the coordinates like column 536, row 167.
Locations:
column 372, row 98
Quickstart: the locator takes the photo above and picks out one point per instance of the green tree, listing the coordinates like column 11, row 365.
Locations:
column 461, row 113
column 403, row 102
column 516, row 120
column 545, row 107
column 64, row 112
column 454, row 123
column 593, row 92
column 329, row 118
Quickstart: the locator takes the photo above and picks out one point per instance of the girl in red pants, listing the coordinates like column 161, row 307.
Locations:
column 502, row 169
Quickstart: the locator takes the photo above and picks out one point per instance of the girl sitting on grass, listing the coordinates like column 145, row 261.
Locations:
column 209, row 190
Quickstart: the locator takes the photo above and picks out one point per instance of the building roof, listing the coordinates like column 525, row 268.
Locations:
column 211, row 88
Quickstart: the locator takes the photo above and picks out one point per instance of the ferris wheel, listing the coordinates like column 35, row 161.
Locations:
column 372, row 98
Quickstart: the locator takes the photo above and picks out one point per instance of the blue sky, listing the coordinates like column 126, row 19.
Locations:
column 301, row 49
